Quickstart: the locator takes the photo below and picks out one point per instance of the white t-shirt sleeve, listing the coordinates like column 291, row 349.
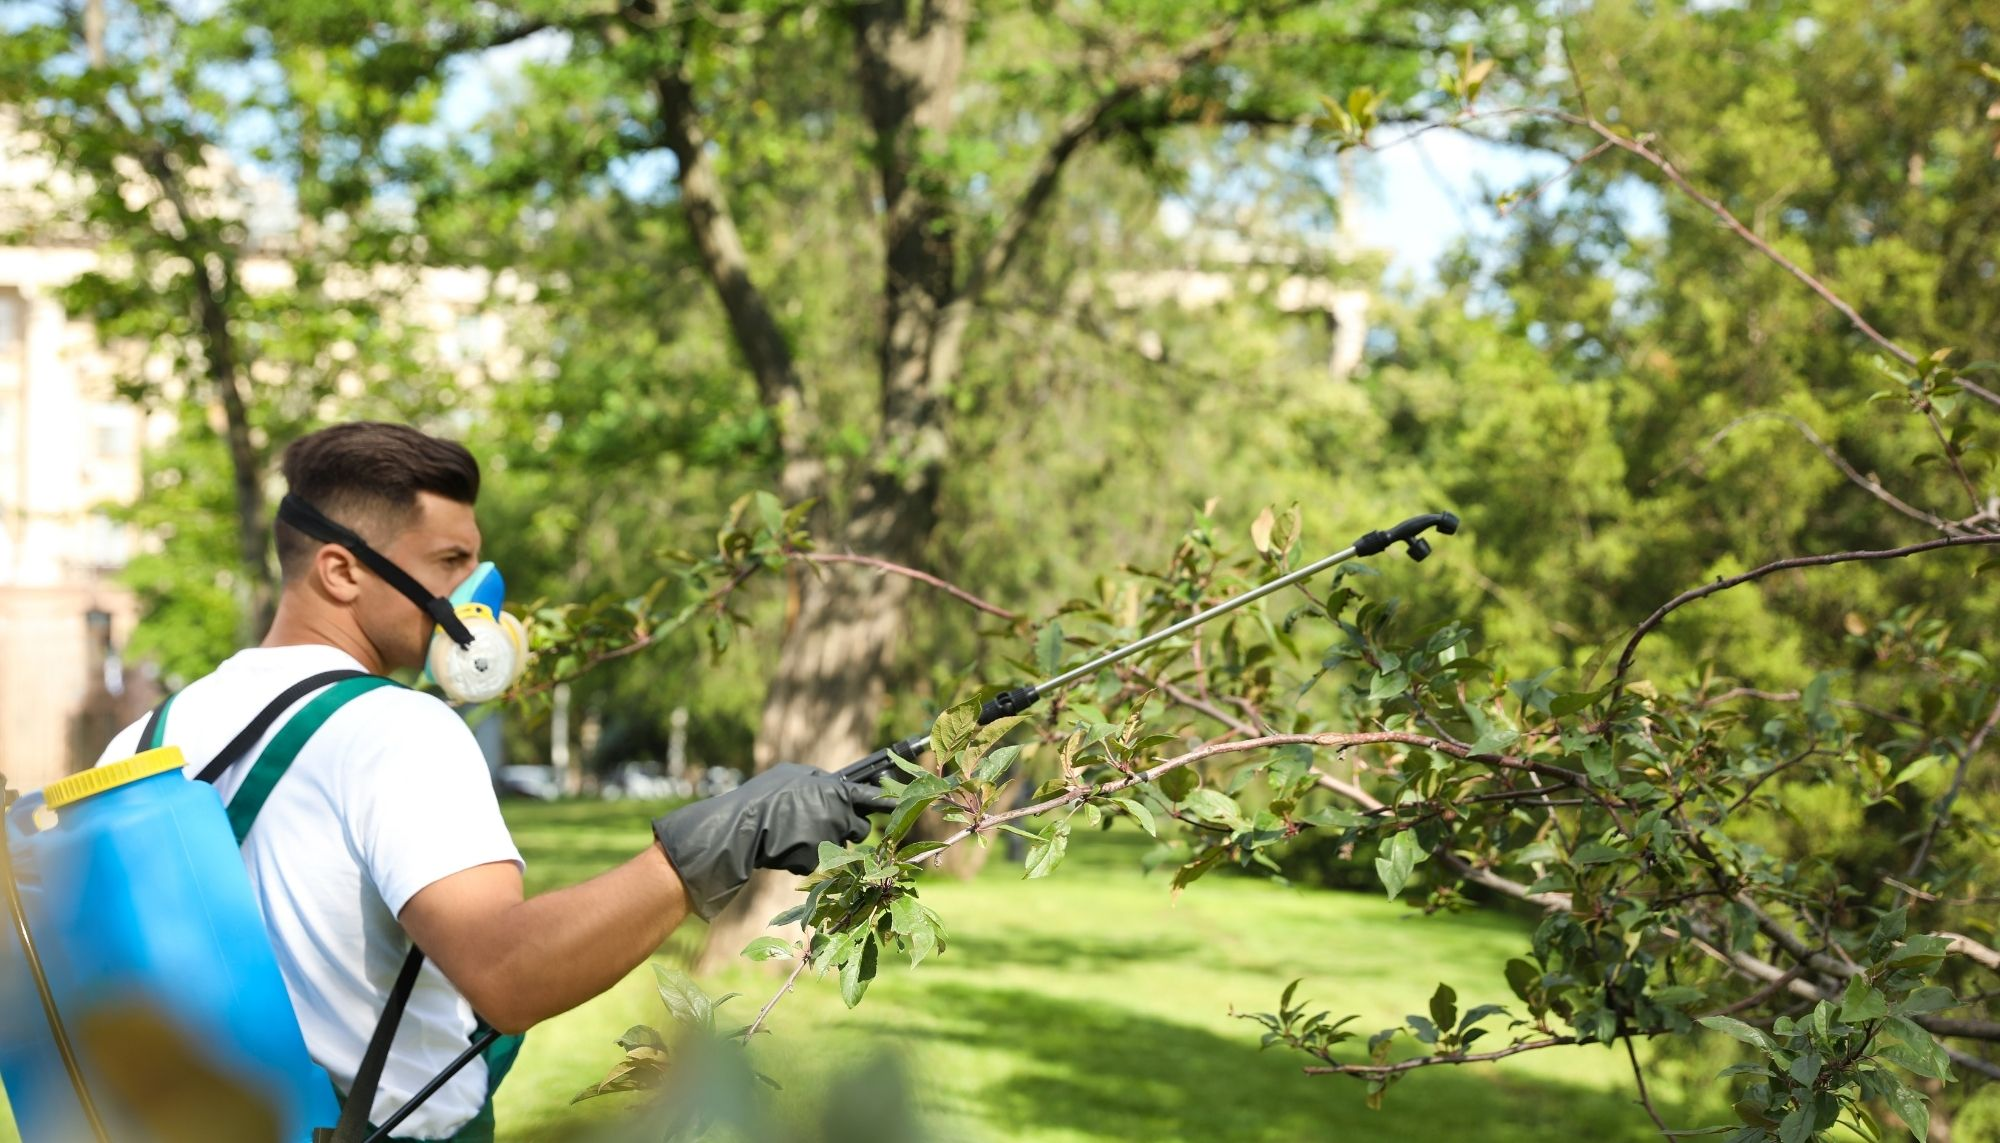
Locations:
column 421, row 800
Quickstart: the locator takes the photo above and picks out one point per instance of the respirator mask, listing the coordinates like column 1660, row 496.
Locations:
column 478, row 650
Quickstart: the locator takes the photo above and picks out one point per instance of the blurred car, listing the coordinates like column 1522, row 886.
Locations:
column 537, row 782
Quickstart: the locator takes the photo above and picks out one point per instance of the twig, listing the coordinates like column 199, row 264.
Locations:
column 1869, row 484
column 1328, row 741
column 1794, row 696
column 1943, row 815
column 1771, row 987
column 950, row 589
column 805, row 958
column 715, row 599
column 1575, row 165
column 1645, row 1098
column 1379, row 1070
column 1970, row 949
column 1686, row 597
column 1972, row 1063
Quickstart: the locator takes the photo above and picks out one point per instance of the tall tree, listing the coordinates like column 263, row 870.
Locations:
column 229, row 239
column 971, row 123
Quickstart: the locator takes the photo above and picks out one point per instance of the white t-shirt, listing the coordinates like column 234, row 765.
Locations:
column 390, row 795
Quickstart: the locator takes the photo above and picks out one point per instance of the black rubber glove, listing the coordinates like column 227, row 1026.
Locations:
column 775, row 820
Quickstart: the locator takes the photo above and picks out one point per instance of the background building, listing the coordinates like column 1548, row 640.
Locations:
column 68, row 449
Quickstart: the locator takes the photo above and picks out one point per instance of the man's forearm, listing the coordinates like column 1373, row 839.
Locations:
column 554, row 951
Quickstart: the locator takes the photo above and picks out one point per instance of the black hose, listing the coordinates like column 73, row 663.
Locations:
column 437, row 1081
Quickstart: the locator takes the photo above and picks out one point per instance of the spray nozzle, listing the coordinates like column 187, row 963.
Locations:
column 1408, row 532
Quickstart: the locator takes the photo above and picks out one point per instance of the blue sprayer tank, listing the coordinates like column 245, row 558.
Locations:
column 155, row 954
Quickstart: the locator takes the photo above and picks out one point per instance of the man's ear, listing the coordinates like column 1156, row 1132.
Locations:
column 337, row 572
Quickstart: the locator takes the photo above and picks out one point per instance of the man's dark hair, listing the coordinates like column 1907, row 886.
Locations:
column 366, row 475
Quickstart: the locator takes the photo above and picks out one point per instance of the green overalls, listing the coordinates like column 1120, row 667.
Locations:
column 256, row 789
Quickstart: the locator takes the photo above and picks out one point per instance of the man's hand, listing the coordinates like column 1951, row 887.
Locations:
column 776, row 820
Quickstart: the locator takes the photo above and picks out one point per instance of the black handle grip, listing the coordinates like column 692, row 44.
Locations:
column 871, row 768
column 1000, row 706
column 1008, row 703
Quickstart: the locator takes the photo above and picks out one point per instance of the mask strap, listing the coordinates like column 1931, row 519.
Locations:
column 314, row 523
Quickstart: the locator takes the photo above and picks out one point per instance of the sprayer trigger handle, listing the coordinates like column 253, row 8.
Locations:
column 1007, row 703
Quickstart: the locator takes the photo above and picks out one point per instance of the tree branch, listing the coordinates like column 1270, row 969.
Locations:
column 1869, row 484
column 947, row 587
column 1687, row 597
column 1076, row 131
column 1943, row 815
column 1328, row 741
column 1645, row 1098
column 752, row 323
column 764, row 1013
column 1376, row 1071
column 1560, row 902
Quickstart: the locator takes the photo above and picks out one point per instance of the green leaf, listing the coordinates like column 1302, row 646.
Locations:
column 954, row 727
column 768, row 948
column 1049, row 650
column 923, row 944
column 833, row 856
column 1737, row 1029
column 1596, row 853
column 1565, row 705
column 1388, row 685
column 1912, row 1108
column 906, row 916
column 1479, row 1013
column 1139, row 813
column 1214, row 806
column 1399, row 857
column 642, row 1036
column 857, row 972
column 1929, row 998
column 1047, row 852
column 1177, row 783
column 905, row 816
column 684, row 999
column 1495, row 739
column 1796, row 1127
column 1917, row 769
column 1805, row 1069
column 994, row 765
column 1523, row 977
column 1862, row 1002
column 1444, row 1007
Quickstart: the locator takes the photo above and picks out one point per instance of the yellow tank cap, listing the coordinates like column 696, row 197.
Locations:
column 98, row 779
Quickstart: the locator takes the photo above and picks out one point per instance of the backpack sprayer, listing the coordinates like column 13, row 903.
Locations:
column 76, row 941
column 1013, row 702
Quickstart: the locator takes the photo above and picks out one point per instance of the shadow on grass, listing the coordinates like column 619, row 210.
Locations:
column 1023, row 949
column 1099, row 1071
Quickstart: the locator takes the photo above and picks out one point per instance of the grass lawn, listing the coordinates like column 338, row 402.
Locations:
column 1092, row 1006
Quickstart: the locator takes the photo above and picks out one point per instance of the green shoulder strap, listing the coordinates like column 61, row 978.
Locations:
column 285, row 745
column 155, row 734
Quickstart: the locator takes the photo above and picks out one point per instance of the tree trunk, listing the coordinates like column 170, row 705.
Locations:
column 822, row 706
column 822, row 703
column 213, row 273
column 909, row 55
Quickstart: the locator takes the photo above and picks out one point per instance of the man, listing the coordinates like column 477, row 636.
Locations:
column 384, row 829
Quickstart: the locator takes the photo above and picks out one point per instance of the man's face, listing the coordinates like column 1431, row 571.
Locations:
column 439, row 549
